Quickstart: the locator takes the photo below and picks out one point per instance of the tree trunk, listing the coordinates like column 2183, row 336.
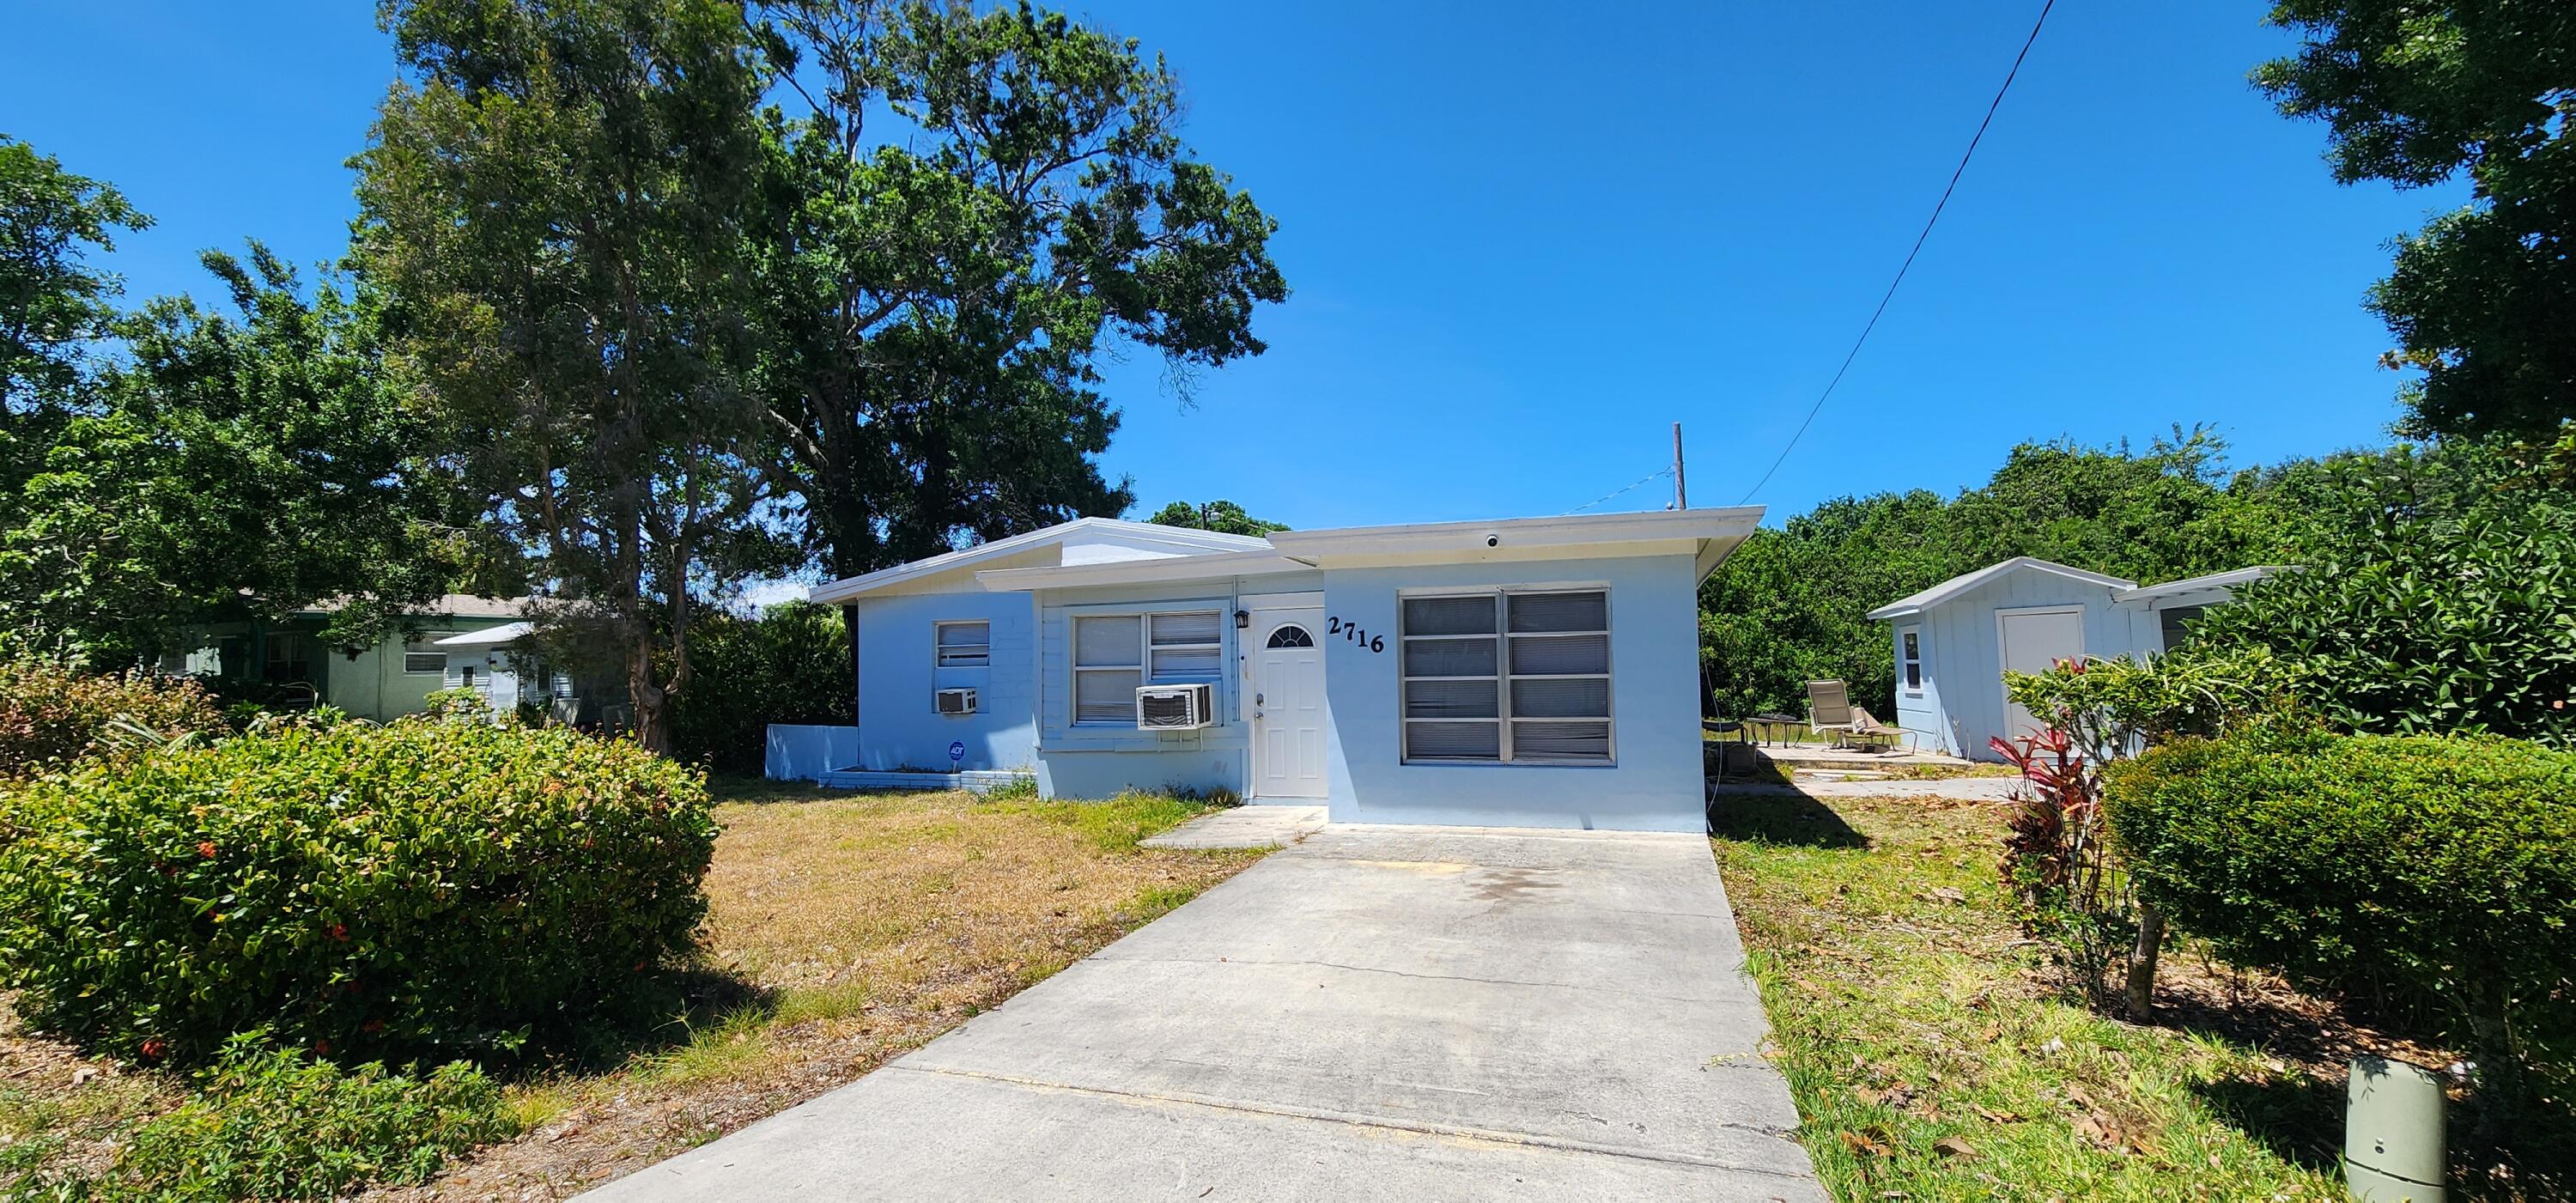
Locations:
column 2142, row 964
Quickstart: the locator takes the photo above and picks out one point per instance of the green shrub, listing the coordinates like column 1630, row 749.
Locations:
column 51, row 716
column 422, row 888
column 268, row 1123
column 2440, row 600
column 790, row 665
column 2402, row 868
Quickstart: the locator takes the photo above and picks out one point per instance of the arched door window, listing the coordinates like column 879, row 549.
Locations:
column 1291, row 635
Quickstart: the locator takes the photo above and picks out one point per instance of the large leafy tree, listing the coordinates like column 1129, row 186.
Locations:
column 556, row 203
column 54, row 305
column 241, row 464
column 1223, row 517
column 967, row 210
column 2482, row 299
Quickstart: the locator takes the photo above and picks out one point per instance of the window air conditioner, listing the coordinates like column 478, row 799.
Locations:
column 1175, row 707
column 957, row 701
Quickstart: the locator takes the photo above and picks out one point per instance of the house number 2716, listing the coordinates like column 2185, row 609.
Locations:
column 1356, row 634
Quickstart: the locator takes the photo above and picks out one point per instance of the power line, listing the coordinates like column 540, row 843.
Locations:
column 1944, row 203
column 1659, row 472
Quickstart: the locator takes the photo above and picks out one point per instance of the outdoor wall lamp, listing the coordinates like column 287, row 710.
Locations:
column 1242, row 619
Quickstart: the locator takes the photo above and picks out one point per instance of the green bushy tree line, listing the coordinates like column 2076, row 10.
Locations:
column 1787, row 607
column 789, row 665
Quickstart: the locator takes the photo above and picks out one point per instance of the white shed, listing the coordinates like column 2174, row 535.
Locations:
column 1955, row 640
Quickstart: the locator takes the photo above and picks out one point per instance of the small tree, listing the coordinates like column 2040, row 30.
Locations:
column 2059, row 856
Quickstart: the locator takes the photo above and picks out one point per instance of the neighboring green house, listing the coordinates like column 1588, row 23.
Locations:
column 459, row 641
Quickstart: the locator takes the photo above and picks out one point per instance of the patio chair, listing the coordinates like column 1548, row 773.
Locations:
column 1873, row 735
column 1829, row 708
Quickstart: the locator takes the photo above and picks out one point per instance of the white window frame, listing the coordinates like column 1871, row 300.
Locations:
column 1909, row 655
column 409, row 671
column 1503, row 677
column 1143, row 665
column 940, row 649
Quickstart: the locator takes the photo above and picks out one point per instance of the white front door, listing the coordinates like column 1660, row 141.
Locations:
column 2033, row 641
column 1287, row 699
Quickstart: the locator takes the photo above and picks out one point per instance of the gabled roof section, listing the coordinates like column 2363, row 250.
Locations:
column 1166, row 540
column 1965, row 582
column 2197, row 590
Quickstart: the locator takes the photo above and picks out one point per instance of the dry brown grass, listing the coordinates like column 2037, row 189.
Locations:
column 866, row 925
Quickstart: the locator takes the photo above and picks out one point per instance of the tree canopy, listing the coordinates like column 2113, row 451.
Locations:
column 240, row 464
column 1223, row 517
column 942, row 283
column 556, row 205
column 2482, row 299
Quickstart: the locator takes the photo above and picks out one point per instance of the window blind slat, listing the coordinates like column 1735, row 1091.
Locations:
column 1539, row 612
column 1195, row 627
column 1449, row 615
column 1553, row 697
column 1449, row 657
column 1434, row 698
column 1113, row 640
column 1192, row 663
column 1106, row 695
column 1590, row 741
column 1453, row 741
column 1561, row 654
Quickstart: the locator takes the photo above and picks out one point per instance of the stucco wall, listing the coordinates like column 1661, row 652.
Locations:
column 1656, row 782
column 898, row 678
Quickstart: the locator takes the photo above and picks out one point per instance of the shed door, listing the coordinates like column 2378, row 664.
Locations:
column 1287, row 704
column 2033, row 641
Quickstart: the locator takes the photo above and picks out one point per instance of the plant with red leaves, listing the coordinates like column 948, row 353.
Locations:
column 2057, row 857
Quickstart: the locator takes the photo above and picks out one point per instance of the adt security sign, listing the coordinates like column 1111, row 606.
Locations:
column 956, row 750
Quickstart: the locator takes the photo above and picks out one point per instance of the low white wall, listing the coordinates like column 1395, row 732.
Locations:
column 803, row 753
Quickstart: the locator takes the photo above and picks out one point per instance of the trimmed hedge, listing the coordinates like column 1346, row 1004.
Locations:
column 52, row 717
column 2407, row 868
column 419, row 890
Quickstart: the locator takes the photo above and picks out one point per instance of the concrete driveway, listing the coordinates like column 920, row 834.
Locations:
column 1375, row 1013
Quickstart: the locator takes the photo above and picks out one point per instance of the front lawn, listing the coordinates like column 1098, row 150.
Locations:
column 843, row 930
column 1932, row 1059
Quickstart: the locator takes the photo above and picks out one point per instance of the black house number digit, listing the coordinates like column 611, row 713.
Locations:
column 1355, row 633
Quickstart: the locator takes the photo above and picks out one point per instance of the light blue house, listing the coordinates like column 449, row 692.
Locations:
column 1955, row 640
column 1533, row 672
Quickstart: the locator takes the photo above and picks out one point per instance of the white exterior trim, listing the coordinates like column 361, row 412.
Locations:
column 1512, row 538
column 1965, row 582
column 2214, row 588
column 1182, row 539
column 1168, row 569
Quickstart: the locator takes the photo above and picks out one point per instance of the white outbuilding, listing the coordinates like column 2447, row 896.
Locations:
column 1955, row 640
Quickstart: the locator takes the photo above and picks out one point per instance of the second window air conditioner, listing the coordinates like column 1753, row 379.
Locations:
column 956, row 701
column 1175, row 707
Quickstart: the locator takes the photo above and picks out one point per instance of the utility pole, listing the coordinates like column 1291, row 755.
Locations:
column 1681, row 496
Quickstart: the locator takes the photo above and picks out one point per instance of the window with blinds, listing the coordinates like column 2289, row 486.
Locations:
column 1115, row 654
column 1507, row 677
column 964, row 644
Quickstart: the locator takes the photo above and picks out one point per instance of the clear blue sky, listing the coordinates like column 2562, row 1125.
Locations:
column 1523, row 240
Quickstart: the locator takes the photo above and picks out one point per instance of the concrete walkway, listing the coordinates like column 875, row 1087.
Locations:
column 1965, row 789
column 1252, row 826
column 1374, row 1013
